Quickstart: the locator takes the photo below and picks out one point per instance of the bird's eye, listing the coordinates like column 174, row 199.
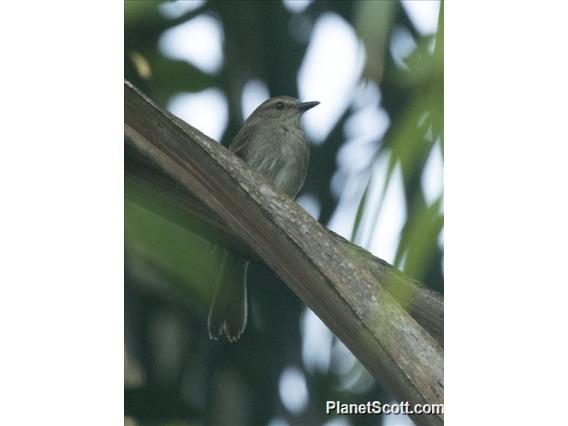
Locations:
column 280, row 105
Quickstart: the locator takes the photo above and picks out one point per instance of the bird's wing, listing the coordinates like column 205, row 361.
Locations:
column 239, row 145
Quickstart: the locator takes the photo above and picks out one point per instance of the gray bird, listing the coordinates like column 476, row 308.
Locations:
column 272, row 142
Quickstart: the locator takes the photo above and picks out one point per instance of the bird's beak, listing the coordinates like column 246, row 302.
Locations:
column 304, row 106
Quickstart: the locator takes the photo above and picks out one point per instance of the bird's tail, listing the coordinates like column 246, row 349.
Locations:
column 228, row 310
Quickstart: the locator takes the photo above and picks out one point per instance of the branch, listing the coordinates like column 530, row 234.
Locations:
column 217, row 195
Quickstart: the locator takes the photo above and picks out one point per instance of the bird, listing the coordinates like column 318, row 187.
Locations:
column 272, row 142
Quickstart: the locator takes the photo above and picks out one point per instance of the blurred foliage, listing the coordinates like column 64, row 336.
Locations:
column 174, row 374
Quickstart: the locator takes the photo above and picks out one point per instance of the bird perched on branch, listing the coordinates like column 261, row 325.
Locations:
column 272, row 142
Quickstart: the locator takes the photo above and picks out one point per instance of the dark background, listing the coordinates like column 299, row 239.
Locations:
column 174, row 374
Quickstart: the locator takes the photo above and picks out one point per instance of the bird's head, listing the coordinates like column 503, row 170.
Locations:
column 284, row 109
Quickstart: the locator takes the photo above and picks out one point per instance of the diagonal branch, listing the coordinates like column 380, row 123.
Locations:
column 214, row 193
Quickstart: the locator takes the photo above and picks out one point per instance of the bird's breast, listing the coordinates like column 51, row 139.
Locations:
column 282, row 156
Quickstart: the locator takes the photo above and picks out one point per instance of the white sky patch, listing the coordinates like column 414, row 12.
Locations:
column 329, row 73
column 363, row 130
column 373, row 200
column 255, row 92
column 352, row 375
column 401, row 46
column 310, row 204
column 338, row 421
column 316, row 342
column 293, row 389
column 367, row 93
column 278, row 421
column 397, row 419
column 342, row 360
column 176, row 9
column 384, row 241
column 296, row 6
column 198, row 41
column 341, row 222
column 208, row 111
column 433, row 175
column 368, row 123
column 423, row 14
column 353, row 157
